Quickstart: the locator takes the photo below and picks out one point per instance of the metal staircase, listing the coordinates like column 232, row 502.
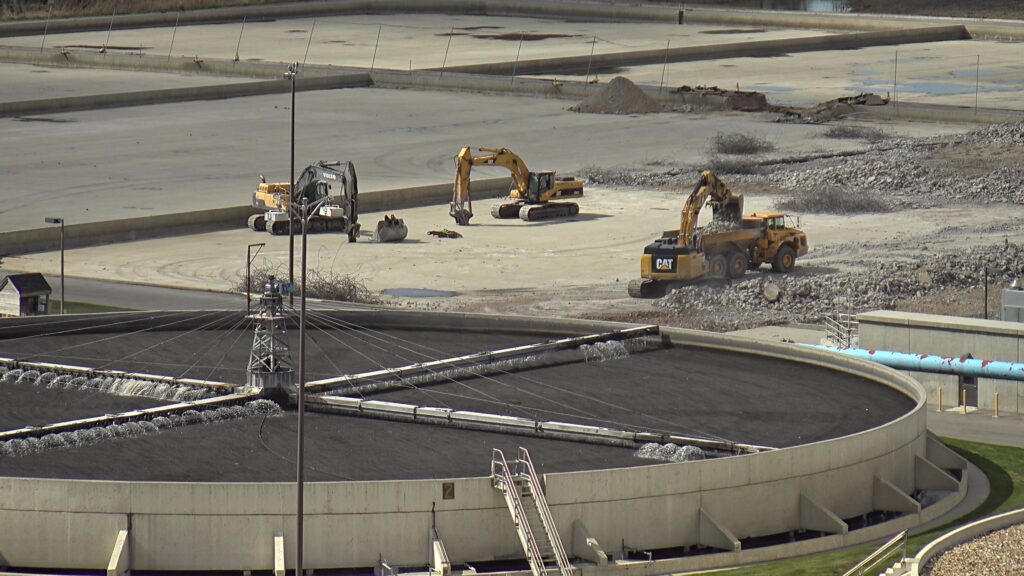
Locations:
column 531, row 516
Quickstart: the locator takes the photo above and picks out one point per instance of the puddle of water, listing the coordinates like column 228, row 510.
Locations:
column 419, row 293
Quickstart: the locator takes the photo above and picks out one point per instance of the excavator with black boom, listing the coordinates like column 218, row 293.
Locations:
column 531, row 192
column 335, row 181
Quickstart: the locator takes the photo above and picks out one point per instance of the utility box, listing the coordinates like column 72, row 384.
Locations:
column 24, row 295
column 1013, row 305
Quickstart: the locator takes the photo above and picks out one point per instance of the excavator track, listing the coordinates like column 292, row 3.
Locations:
column 505, row 211
column 534, row 212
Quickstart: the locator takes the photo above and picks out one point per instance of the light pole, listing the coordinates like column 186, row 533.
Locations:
column 305, row 210
column 293, row 71
column 61, row 222
column 248, row 263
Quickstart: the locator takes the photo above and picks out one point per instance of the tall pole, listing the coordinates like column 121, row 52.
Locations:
column 589, row 60
column 248, row 264
column 977, row 86
column 986, row 293
column 240, row 32
column 446, row 48
column 300, row 457
column 173, row 34
column 292, row 71
column 375, row 44
column 62, row 267
column 515, row 65
column 46, row 28
column 664, row 66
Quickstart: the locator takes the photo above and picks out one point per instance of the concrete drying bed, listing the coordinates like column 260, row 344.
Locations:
column 421, row 38
column 701, row 392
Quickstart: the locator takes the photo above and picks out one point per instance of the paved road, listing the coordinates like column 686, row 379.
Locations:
column 979, row 426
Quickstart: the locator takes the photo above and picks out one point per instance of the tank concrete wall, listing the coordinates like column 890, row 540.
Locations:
column 532, row 8
column 962, row 535
column 955, row 337
column 994, row 29
column 131, row 229
column 230, row 526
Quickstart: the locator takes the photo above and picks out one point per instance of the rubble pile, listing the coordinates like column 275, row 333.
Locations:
column 620, row 96
column 773, row 299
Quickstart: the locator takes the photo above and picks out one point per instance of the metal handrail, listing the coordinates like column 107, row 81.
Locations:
column 502, row 479
column 879, row 555
column 561, row 558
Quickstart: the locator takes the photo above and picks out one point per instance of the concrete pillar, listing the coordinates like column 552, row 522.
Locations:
column 943, row 456
column 279, row 555
column 119, row 556
column 585, row 546
column 888, row 498
column 439, row 563
column 928, row 476
column 715, row 535
column 814, row 516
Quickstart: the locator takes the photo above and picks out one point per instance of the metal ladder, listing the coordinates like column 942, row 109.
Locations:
column 531, row 516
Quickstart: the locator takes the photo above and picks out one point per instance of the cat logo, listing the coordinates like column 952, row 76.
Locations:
column 664, row 264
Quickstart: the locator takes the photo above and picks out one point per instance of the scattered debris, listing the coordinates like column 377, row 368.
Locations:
column 620, row 96
column 445, row 233
column 739, row 100
column 854, row 131
column 829, row 110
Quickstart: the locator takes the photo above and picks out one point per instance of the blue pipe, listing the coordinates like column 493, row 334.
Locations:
column 933, row 363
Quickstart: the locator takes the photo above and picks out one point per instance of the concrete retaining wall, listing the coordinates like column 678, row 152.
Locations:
column 994, row 29
column 600, row 11
column 533, row 87
column 182, row 526
column 578, row 64
column 951, row 336
column 130, row 229
column 150, row 97
column 964, row 534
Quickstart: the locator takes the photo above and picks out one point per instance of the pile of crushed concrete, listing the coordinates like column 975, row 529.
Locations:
column 620, row 96
column 768, row 298
column 738, row 100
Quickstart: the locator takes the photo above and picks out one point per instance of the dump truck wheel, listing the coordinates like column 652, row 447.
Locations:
column 784, row 259
column 717, row 266
column 737, row 265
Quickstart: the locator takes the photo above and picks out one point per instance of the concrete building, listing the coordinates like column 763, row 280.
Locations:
column 954, row 337
column 24, row 295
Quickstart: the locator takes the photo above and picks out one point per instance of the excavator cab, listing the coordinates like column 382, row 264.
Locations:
column 539, row 183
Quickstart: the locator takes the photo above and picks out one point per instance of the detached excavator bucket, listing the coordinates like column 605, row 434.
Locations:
column 391, row 229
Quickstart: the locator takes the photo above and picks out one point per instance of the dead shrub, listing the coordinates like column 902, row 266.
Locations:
column 323, row 285
column 738, row 143
column 836, row 200
column 854, row 132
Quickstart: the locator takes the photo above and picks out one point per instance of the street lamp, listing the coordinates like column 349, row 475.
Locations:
column 61, row 222
column 248, row 263
column 305, row 211
column 290, row 74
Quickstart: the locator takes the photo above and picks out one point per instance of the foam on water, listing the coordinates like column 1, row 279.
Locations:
column 670, row 452
column 612, row 349
column 107, row 384
column 88, row 436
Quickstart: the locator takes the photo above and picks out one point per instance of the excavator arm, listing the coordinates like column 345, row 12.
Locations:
column 725, row 204
column 462, row 201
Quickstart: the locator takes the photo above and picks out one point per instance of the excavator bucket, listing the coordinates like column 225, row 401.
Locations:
column 391, row 229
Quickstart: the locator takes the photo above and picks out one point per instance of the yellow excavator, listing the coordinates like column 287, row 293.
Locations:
column 726, row 248
column 531, row 192
column 334, row 180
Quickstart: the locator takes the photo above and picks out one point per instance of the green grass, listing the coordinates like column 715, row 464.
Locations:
column 1004, row 467
column 72, row 307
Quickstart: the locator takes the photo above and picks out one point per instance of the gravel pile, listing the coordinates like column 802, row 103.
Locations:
column 766, row 298
column 903, row 168
column 997, row 553
column 620, row 96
